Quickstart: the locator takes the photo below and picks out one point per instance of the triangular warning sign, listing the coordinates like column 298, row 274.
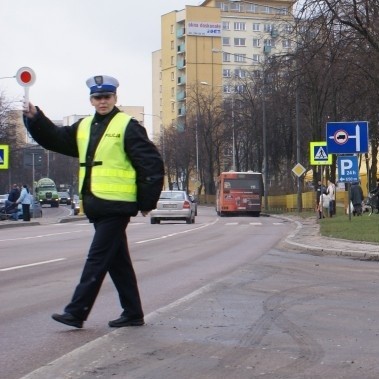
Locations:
column 321, row 154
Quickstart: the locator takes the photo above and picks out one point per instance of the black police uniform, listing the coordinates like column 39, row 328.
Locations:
column 109, row 249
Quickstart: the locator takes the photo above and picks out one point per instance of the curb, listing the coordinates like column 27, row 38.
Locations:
column 337, row 251
column 13, row 224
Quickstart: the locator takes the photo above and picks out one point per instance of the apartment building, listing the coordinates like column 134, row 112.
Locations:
column 212, row 43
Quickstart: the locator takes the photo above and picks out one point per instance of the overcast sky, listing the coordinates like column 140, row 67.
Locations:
column 65, row 42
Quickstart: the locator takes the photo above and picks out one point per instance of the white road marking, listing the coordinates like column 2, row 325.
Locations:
column 32, row 264
column 256, row 223
column 41, row 236
column 176, row 234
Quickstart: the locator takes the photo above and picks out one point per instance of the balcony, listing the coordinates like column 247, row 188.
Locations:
column 181, row 48
column 181, row 80
column 181, row 95
column 267, row 49
column 180, row 33
column 182, row 111
column 181, row 64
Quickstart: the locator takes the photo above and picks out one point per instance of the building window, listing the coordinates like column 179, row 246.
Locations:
column 256, row 42
column 223, row 6
column 240, row 26
column 172, row 76
column 172, row 61
column 225, row 57
column 227, row 89
column 225, row 41
column 240, row 58
column 226, row 73
column 225, row 25
column 172, row 91
column 239, row 41
column 172, row 29
column 256, row 58
column 172, row 45
column 256, row 27
column 286, row 43
column 240, row 88
column 268, row 28
column 239, row 73
column 287, row 28
column 236, row 7
column 172, row 107
column 269, row 42
column 252, row 8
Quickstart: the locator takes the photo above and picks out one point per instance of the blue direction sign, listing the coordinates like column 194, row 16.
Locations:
column 348, row 168
column 347, row 137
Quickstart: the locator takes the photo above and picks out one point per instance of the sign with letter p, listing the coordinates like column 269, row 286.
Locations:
column 348, row 170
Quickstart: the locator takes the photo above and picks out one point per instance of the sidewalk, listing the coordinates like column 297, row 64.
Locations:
column 307, row 238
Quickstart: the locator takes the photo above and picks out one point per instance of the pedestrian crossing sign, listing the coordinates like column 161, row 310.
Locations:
column 4, row 157
column 319, row 153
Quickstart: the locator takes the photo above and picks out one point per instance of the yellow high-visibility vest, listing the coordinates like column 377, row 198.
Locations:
column 112, row 174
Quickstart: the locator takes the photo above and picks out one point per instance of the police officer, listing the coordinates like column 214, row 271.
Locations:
column 121, row 172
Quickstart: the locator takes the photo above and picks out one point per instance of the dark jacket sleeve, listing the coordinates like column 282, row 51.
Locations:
column 148, row 164
column 61, row 139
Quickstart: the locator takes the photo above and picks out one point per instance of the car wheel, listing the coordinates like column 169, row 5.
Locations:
column 188, row 220
column 193, row 220
column 153, row 220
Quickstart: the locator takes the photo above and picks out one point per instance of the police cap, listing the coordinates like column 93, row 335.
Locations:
column 102, row 84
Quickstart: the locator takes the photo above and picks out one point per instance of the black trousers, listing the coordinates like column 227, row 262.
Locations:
column 26, row 212
column 108, row 253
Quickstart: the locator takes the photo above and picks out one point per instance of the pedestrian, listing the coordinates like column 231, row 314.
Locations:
column 25, row 201
column 320, row 190
column 120, row 173
column 331, row 191
column 324, row 205
column 10, row 203
column 356, row 197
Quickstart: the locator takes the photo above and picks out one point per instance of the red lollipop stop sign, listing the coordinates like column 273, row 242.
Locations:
column 26, row 77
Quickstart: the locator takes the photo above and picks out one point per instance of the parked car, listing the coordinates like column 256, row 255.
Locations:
column 64, row 198
column 75, row 205
column 173, row 205
column 2, row 199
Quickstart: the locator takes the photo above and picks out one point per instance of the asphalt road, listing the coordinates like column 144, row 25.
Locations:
column 222, row 300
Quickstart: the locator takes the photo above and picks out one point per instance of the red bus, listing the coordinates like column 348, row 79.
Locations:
column 239, row 193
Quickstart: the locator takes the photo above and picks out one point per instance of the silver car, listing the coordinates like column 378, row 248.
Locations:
column 173, row 205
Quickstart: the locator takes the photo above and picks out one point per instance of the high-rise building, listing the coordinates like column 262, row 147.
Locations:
column 210, row 44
